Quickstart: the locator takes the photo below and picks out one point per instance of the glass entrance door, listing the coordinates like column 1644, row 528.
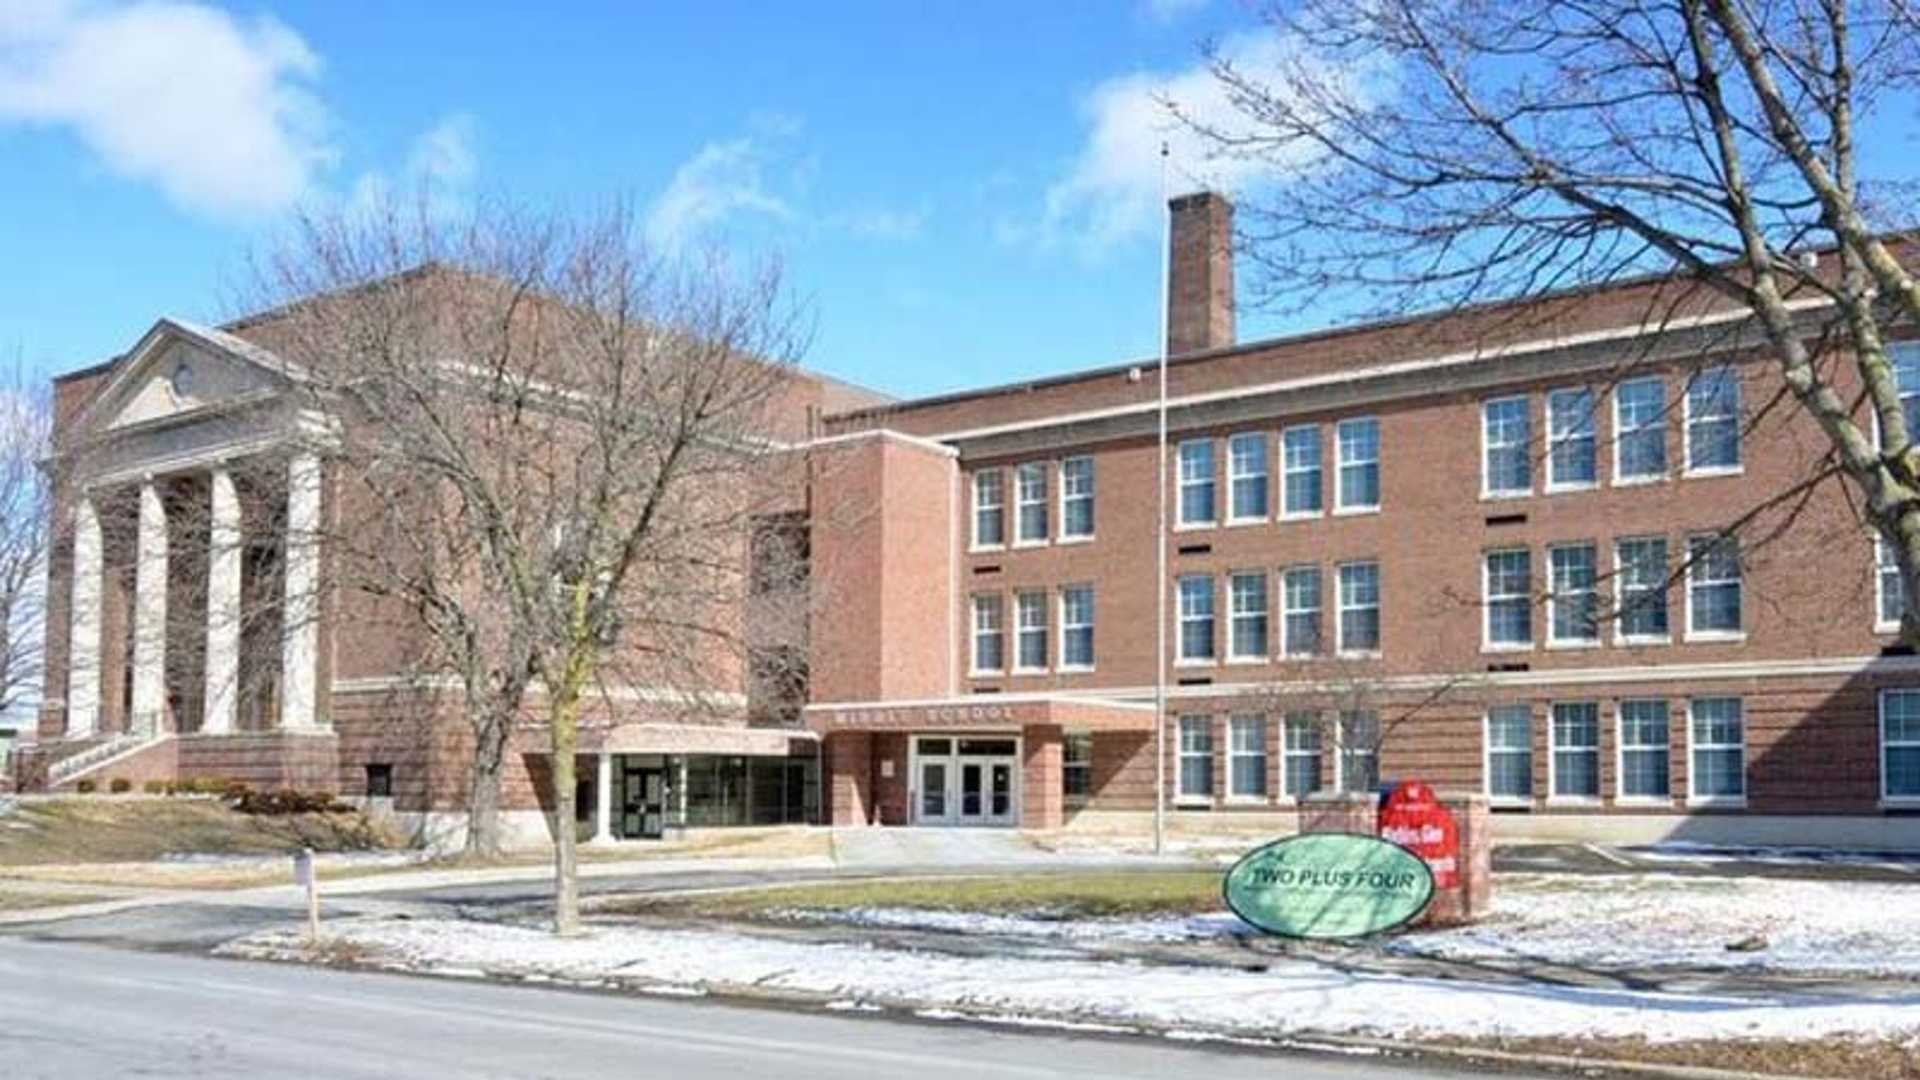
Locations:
column 966, row 781
column 644, row 813
column 936, row 805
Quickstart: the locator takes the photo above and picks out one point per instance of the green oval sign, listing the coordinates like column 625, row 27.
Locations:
column 1328, row 885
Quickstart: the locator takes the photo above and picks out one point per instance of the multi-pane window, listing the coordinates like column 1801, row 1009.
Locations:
column 1247, row 477
column 1247, row 616
column 1359, row 464
column 1509, row 599
column 1247, row 756
column 1196, row 757
column 1076, row 498
column 1030, row 493
column 1076, row 764
column 1639, row 430
column 1301, row 469
column 1360, row 607
column 1196, row 617
column 1713, row 586
column 1718, row 741
column 1900, row 744
column 1906, row 383
column 1359, row 750
column 1713, row 421
column 1196, row 482
column 1300, row 762
column 1576, row 750
column 1030, row 624
column 1642, row 564
column 1300, row 611
column 1076, row 627
column 1891, row 602
column 1644, row 756
column 1571, row 461
column 1506, row 431
column 1510, row 753
column 989, row 508
column 989, row 637
column 1575, row 600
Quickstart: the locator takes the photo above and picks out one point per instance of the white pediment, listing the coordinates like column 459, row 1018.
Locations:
column 177, row 370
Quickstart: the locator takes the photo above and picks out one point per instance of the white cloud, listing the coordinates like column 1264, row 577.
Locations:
column 722, row 180
column 881, row 223
column 219, row 113
column 1167, row 11
column 440, row 168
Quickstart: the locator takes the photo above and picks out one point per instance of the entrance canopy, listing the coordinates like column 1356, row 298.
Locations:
column 997, row 712
column 696, row 739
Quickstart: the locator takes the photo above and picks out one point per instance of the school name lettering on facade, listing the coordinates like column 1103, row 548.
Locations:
column 921, row 717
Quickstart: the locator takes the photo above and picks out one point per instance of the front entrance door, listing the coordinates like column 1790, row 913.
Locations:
column 966, row 781
column 935, row 807
column 644, row 813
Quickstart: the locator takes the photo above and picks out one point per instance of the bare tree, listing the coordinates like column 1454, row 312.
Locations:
column 25, row 426
column 565, row 441
column 1706, row 151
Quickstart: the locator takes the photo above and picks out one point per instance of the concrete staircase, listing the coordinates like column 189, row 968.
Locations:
column 109, row 751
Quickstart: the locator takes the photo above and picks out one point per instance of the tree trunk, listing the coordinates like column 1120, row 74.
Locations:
column 563, row 720
column 483, row 790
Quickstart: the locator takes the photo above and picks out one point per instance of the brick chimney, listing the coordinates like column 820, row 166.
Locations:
column 1200, row 273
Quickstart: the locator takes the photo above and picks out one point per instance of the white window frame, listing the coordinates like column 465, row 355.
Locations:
column 1065, row 626
column 1235, row 476
column 1021, row 628
column 1883, row 566
column 1288, row 471
column 1488, row 751
column 1621, row 748
column 1061, row 535
column 1340, row 465
column 1693, row 570
column 1556, row 439
column 1181, row 618
column 1623, row 592
column 1554, row 592
column 1068, row 762
column 1000, row 476
column 1553, row 753
column 1887, row 798
column 1488, row 598
column 1211, row 481
column 1290, row 750
column 998, row 603
column 1318, row 609
column 1236, row 723
column 1622, row 478
column 1488, row 446
column 1343, row 752
column 1203, row 722
column 1695, row 746
column 1340, row 628
column 1234, row 615
column 1687, row 420
column 1040, row 504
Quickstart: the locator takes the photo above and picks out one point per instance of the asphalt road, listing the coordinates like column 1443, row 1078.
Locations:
column 79, row 1011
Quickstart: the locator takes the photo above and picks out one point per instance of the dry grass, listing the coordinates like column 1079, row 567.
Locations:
column 26, row 899
column 1862, row 1059
column 82, row 830
column 772, row 842
column 1062, row 896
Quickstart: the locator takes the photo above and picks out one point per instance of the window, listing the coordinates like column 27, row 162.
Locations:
column 1359, row 750
column 1301, row 758
column 1196, row 757
column 1643, row 750
column 1719, row 742
column 1247, row 477
column 1570, row 454
column 379, row 781
column 1030, row 489
column 1639, row 430
column 1574, row 604
column 989, row 508
column 1076, row 628
column 1507, row 435
column 1509, row 589
column 1906, row 381
column 1713, row 421
column 1359, row 464
column 1360, row 607
column 989, row 638
column 1247, row 616
column 1713, row 587
column 1196, row 482
column 1900, row 744
column 1891, row 602
column 1300, row 611
column 1642, row 564
column 1510, row 753
column 1196, row 618
column 1247, row 756
column 1030, row 608
column 1076, row 765
column 1300, row 459
column 1576, row 750
column 1076, row 498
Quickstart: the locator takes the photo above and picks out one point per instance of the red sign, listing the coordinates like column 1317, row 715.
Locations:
column 1414, row 818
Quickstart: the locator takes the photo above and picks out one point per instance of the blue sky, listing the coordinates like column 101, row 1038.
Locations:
column 965, row 193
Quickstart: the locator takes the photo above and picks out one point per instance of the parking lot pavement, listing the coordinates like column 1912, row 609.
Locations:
column 1806, row 863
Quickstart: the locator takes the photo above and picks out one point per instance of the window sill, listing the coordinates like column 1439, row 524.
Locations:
column 1074, row 669
column 1019, row 544
column 1642, row 642
column 1716, row 637
column 1575, row 645
column 1202, row 662
column 1717, row 802
column 1900, row 802
column 1567, row 489
column 1087, row 539
column 1710, row 473
column 1246, row 661
column 1886, row 628
column 1354, row 511
column 1508, row 649
column 985, row 549
column 1641, row 481
column 1302, row 515
column 986, row 673
column 1194, row 526
column 1510, row 802
column 1239, row 523
column 1245, row 800
column 1359, row 654
column 1032, row 671
column 1644, row 800
column 1202, row 801
column 1574, row 800
column 1505, row 496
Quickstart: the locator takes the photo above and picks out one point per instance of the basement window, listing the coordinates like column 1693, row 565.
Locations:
column 380, row 781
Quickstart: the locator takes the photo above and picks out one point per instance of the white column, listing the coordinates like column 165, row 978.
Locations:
column 83, row 625
column 300, row 638
column 223, row 607
column 150, row 616
column 603, row 800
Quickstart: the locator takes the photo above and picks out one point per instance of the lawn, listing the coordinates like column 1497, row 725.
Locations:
column 101, row 829
column 1061, row 896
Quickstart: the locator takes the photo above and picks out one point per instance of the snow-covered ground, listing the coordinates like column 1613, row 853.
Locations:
column 1291, row 998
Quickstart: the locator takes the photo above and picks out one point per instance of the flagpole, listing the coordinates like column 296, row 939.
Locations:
column 1160, row 541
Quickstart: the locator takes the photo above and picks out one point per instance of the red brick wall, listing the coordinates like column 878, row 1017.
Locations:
column 1041, row 797
column 848, row 783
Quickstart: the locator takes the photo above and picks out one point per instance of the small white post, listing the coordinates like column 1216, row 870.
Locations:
column 303, row 874
column 603, row 801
